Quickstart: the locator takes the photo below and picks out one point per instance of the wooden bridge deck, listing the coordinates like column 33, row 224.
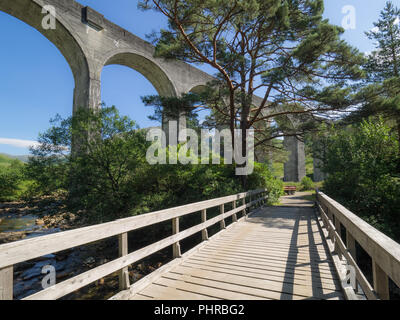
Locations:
column 275, row 253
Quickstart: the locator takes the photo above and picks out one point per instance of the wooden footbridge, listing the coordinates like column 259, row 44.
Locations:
column 293, row 251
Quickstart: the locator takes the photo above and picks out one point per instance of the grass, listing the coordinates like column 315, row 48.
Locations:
column 5, row 161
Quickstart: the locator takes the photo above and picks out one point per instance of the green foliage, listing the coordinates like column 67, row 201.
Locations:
column 172, row 107
column 307, row 184
column 262, row 177
column 11, row 176
column 361, row 165
column 384, row 63
column 110, row 177
column 381, row 95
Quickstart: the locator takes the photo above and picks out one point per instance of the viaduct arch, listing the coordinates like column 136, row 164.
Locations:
column 89, row 42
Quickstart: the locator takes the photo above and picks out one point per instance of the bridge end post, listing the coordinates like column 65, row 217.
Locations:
column 6, row 283
column 381, row 282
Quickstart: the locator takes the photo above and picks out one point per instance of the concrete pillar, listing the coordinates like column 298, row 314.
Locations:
column 295, row 167
column 172, row 127
column 319, row 175
column 87, row 94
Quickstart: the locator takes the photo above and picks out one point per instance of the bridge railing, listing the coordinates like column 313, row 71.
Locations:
column 384, row 252
column 24, row 250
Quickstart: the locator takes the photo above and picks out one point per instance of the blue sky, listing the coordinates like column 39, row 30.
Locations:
column 37, row 82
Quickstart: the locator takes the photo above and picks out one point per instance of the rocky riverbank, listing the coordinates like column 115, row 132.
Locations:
column 20, row 220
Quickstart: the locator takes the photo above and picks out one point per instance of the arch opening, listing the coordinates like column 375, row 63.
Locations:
column 38, row 80
column 149, row 69
column 123, row 87
column 30, row 12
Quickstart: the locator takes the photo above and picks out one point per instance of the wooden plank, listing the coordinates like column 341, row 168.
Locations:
column 123, row 275
column 215, row 283
column 281, row 249
column 161, row 292
column 265, row 284
column 272, row 260
column 205, row 290
column 273, row 255
column 301, row 273
column 6, row 283
column 19, row 251
column 140, row 297
column 271, row 265
column 280, row 277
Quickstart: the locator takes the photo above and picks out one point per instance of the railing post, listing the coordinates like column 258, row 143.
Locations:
column 250, row 203
column 222, row 210
column 204, row 232
column 351, row 248
column 351, row 245
column 381, row 282
column 244, row 203
column 176, row 247
column 339, row 232
column 123, row 274
column 234, row 217
column 6, row 283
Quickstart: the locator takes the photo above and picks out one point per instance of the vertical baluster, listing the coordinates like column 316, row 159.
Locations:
column 351, row 247
column 176, row 247
column 339, row 232
column 204, row 232
column 234, row 217
column 222, row 223
column 123, row 274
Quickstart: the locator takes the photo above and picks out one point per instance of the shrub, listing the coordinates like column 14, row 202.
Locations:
column 10, row 178
column 361, row 163
column 307, row 184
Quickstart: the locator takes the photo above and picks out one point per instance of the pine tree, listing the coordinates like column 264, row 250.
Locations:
column 381, row 94
column 281, row 50
column 384, row 63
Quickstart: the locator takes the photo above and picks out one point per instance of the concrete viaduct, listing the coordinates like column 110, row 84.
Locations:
column 89, row 42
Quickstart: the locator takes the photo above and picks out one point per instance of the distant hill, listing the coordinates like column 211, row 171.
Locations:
column 5, row 159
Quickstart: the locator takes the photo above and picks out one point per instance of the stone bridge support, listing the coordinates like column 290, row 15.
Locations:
column 295, row 167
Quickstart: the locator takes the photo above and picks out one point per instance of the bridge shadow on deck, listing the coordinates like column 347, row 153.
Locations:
column 289, row 216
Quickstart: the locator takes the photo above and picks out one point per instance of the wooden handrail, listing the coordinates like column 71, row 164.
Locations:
column 20, row 251
column 384, row 252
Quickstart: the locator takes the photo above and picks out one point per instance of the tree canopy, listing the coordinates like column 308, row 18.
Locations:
column 283, row 51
